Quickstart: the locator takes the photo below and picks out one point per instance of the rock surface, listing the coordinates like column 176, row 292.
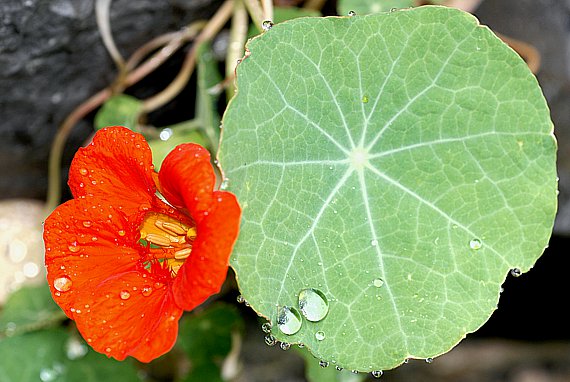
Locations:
column 51, row 59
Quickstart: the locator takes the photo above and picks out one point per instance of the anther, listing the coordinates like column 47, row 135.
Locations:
column 191, row 233
column 163, row 241
column 182, row 254
column 174, row 229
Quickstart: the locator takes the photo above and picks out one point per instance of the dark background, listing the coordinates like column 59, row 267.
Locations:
column 52, row 59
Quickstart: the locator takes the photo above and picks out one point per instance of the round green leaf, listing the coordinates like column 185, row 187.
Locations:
column 398, row 163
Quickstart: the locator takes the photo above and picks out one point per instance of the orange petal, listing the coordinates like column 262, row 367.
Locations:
column 117, row 167
column 128, row 315
column 187, row 179
column 85, row 245
column 206, row 268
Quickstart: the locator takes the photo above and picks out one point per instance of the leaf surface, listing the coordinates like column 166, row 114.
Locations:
column 400, row 164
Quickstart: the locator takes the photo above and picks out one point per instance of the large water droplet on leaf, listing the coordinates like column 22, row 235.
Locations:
column 288, row 320
column 313, row 304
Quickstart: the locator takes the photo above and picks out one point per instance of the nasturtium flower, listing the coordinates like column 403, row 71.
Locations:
column 136, row 248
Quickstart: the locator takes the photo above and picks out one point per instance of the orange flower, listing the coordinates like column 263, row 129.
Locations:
column 123, row 263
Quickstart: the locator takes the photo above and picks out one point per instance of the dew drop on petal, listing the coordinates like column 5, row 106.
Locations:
column 146, row 290
column 87, row 223
column 73, row 247
column 62, row 284
column 83, row 171
column 288, row 320
column 124, row 294
column 313, row 304
column 121, row 233
column 320, row 335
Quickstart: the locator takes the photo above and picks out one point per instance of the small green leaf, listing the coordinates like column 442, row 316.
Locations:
column 174, row 135
column 206, row 338
column 28, row 308
column 119, row 110
column 400, row 164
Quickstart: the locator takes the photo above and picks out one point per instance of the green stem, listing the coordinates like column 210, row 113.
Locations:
column 238, row 35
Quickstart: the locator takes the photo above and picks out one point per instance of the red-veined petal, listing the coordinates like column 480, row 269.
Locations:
column 128, row 315
column 116, row 166
column 187, row 179
column 205, row 270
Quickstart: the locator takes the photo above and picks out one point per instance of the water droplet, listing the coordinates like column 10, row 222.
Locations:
column 267, row 25
column 240, row 299
column 165, row 134
column 73, row 247
column 270, row 340
column 516, row 272
column 87, row 223
column 225, row 184
column 374, row 242
column 47, row 375
column 288, row 320
column 354, row 371
column 146, row 290
column 313, row 304
column 266, row 327
column 338, row 368
column 429, row 360
column 124, row 294
column 378, row 282
column 364, row 99
column 377, row 373
column 62, row 284
column 83, row 171
column 475, row 244
column 320, row 335
column 351, row 13
column 10, row 329
column 323, row 363
column 284, row 345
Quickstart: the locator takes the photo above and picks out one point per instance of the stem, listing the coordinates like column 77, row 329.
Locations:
column 103, row 22
column 255, row 12
column 238, row 35
column 56, row 152
column 173, row 89
column 267, row 9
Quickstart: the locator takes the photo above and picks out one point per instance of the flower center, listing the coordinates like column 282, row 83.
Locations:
column 169, row 240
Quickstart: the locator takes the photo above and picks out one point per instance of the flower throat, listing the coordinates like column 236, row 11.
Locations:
column 169, row 240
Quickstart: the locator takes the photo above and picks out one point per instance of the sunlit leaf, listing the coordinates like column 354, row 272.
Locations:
column 400, row 164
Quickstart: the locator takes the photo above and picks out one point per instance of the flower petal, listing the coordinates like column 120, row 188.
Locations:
column 86, row 244
column 187, row 178
column 128, row 315
column 205, row 270
column 115, row 166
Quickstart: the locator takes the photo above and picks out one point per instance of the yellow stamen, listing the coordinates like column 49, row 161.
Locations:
column 182, row 254
column 163, row 241
column 174, row 229
column 191, row 233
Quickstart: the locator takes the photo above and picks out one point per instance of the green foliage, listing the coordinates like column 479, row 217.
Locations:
column 27, row 308
column 206, row 338
column 119, row 110
column 400, row 163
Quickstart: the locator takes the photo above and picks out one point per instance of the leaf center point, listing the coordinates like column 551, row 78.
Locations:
column 359, row 158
